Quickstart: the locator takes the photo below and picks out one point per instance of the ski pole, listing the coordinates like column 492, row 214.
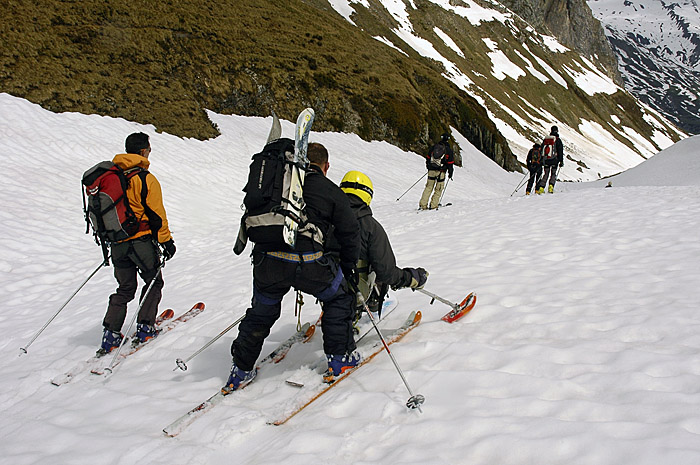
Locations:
column 520, row 184
column 414, row 184
column 133, row 319
column 438, row 298
column 182, row 364
column 23, row 350
column 415, row 401
column 443, row 191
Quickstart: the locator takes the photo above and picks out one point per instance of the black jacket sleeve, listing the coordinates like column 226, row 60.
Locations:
column 380, row 254
column 560, row 151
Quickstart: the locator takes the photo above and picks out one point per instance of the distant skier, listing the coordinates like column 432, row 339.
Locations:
column 139, row 253
column 534, row 166
column 552, row 155
column 377, row 263
column 440, row 159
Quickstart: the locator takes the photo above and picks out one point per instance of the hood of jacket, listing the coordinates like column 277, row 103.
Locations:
column 359, row 207
column 127, row 161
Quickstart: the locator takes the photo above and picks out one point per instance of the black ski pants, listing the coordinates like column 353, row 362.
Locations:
column 273, row 277
column 535, row 175
column 137, row 256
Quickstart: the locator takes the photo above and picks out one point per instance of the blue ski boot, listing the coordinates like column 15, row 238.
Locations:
column 144, row 333
column 238, row 379
column 110, row 341
column 339, row 364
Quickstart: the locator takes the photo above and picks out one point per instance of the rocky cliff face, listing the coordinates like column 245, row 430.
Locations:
column 657, row 43
column 573, row 24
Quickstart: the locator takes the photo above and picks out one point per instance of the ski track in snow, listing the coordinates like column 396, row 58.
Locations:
column 582, row 348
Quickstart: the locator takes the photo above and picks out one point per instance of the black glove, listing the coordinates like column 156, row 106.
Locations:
column 351, row 274
column 417, row 278
column 168, row 249
column 561, row 164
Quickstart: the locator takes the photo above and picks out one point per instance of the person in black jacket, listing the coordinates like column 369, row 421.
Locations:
column 534, row 166
column 277, row 268
column 551, row 162
column 440, row 160
column 377, row 264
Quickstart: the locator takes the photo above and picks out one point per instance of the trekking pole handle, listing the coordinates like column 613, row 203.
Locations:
column 182, row 364
column 23, row 350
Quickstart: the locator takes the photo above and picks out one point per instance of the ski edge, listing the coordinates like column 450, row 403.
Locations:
column 411, row 322
column 68, row 376
column 178, row 426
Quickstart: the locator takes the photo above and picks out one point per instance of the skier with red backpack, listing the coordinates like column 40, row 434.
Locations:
column 552, row 155
column 125, row 208
column 440, row 159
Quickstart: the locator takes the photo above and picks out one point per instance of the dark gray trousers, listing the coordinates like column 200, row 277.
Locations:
column 137, row 256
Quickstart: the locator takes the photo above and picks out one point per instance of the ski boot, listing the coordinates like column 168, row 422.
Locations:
column 238, row 379
column 110, row 341
column 144, row 333
column 339, row 364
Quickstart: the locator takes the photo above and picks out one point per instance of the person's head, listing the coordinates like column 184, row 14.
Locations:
column 138, row 143
column 445, row 137
column 536, row 146
column 359, row 184
column 554, row 131
column 318, row 155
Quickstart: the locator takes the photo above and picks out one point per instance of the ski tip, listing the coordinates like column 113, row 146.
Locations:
column 167, row 314
column 464, row 307
column 199, row 305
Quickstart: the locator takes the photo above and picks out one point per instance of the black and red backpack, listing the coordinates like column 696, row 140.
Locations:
column 106, row 205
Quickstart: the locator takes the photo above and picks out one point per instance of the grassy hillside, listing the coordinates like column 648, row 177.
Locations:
column 165, row 62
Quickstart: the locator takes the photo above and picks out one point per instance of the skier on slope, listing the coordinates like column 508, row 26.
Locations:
column 377, row 263
column 277, row 268
column 139, row 252
column 440, row 159
column 553, row 155
column 534, row 166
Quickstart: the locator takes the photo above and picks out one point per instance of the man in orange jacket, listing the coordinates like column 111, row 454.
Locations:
column 140, row 252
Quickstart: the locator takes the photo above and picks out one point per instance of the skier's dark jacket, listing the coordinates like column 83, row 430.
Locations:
column 531, row 164
column 375, row 247
column 327, row 207
column 448, row 160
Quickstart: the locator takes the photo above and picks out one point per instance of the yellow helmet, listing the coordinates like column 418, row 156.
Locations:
column 358, row 184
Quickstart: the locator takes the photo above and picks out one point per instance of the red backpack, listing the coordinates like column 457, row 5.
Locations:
column 107, row 208
column 549, row 150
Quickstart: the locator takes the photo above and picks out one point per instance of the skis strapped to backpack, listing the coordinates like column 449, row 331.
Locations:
column 107, row 208
column 273, row 193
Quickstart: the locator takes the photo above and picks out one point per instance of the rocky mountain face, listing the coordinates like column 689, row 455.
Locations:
column 573, row 24
column 657, row 44
column 404, row 71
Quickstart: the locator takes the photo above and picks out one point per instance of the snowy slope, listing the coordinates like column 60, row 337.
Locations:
column 583, row 347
